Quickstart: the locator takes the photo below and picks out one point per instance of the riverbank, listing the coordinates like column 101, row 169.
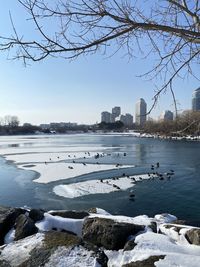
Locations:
column 170, row 137
column 31, row 237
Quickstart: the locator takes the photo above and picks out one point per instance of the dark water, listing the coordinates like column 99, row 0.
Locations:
column 179, row 196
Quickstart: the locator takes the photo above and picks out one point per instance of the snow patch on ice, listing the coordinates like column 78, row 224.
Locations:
column 97, row 186
column 61, row 170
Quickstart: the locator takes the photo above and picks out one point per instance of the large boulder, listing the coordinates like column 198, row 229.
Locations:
column 130, row 245
column 108, row 233
column 24, row 227
column 60, row 244
column 54, row 239
column 193, row 236
column 70, row 214
column 4, row 263
column 7, row 220
column 36, row 215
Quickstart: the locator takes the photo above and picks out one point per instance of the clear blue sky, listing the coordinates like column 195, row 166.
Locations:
column 58, row 90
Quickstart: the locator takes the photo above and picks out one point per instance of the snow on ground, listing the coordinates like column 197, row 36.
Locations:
column 56, row 222
column 140, row 220
column 77, row 257
column 17, row 252
column 153, row 244
column 165, row 218
column 175, row 251
column 97, row 186
column 9, row 237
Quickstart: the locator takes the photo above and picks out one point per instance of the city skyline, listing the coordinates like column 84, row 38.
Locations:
column 59, row 90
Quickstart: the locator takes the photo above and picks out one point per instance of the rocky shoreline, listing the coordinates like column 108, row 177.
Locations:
column 33, row 238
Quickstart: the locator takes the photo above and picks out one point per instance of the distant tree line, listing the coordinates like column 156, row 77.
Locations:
column 187, row 123
column 118, row 125
column 11, row 125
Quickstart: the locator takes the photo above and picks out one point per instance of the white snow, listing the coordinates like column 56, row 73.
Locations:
column 72, row 257
column 170, row 244
column 152, row 244
column 141, row 219
column 102, row 211
column 50, row 222
column 165, row 218
column 96, row 186
column 18, row 252
column 173, row 234
column 9, row 237
column 59, row 171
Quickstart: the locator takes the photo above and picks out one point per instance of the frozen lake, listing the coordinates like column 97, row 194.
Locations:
column 83, row 171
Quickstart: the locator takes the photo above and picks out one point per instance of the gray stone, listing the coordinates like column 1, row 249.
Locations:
column 193, row 236
column 36, row 215
column 70, row 214
column 24, row 227
column 4, row 263
column 108, row 233
column 130, row 245
column 52, row 240
column 7, row 220
column 153, row 227
column 145, row 263
column 92, row 210
column 101, row 257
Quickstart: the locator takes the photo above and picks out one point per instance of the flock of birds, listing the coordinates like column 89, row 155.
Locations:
column 151, row 175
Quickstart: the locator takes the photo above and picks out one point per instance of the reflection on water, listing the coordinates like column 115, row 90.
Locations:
column 13, row 145
column 141, row 152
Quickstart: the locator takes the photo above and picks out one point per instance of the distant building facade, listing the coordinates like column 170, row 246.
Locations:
column 127, row 119
column 116, row 111
column 196, row 100
column 167, row 115
column 140, row 112
column 106, row 117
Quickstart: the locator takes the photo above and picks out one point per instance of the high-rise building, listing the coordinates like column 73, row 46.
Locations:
column 106, row 117
column 196, row 100
column 167, row 115
column 140, row 112
column 127, row 119
column 116, row 111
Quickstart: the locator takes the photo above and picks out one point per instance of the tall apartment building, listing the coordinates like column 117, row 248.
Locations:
column 116, row 111
column 127, row 119
column 106, row 117
column 167, row 115
column 140, row 112
column 196, row 100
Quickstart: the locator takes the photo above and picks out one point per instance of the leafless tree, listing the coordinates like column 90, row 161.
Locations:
column 10, row 121
column 168, row 29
